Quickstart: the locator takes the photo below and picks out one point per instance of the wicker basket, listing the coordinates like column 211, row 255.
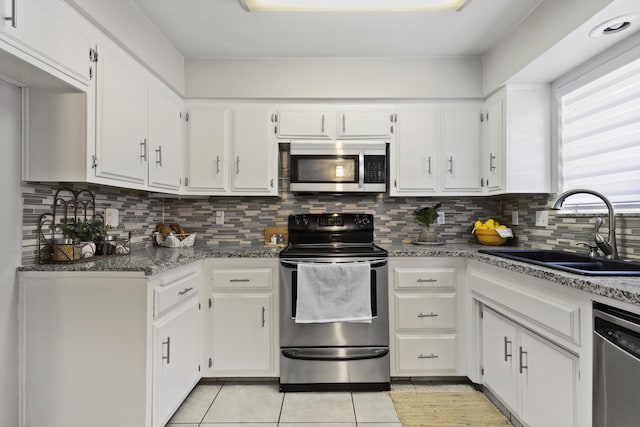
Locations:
column 175, row 240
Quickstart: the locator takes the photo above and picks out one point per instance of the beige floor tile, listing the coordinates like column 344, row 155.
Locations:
column 317, row 408
column 317, row 425
column 196, row 405
column 376, row 407
column 398, row 424
column 182, row 425
column 250, row 403
column 237, row 425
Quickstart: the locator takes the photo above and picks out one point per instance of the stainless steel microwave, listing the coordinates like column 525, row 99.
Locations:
column 338, row 166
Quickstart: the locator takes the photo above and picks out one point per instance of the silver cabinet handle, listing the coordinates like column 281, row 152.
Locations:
column 237, row 165
column 451, row 165
column 430, row 356
column 429, row 165
column 431, row 314
column 143, row 148
column 263, row 317
column 507, row 353
column 159, row 155
column 185, row 291
column 322, row 129
column 522, row 365
column 217, row 165
column 271, row 182
column 239, row 280
column 492, row 167
column 344, row 123
column 168, row 344
column 426, row 280
column 14, row 14
column 395, row 183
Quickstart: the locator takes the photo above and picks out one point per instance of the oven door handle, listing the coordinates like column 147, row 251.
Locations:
column 293, row 264
column 334, row 355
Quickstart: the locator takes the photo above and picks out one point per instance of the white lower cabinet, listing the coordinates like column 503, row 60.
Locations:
column 242, row 319
column 107, row 348
column 176, row 358
column 535, row 378
column 426, row 317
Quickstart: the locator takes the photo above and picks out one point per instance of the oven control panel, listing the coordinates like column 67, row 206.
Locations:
column 343, row 221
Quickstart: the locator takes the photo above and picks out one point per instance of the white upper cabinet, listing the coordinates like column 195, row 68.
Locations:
column 122, row 145
column 165, row 139
column 414, row 154
column 517, row 156
column 254, row 152
column 332, row 122
column 49, row 34
column 208, row 142
column 461, row 150
column 231, row 150
column 364, row 124
column 437, row 150
column 306, row 124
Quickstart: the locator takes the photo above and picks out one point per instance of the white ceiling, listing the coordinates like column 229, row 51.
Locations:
column 221, row 28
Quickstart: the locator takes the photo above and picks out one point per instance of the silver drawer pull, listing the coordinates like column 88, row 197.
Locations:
column 239, row 280
column 185, row 291
column 427, row 280
column 431, row 314
column 431, row 356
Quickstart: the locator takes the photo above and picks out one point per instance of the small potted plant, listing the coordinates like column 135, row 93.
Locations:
column 428, row 216
column 89, row 234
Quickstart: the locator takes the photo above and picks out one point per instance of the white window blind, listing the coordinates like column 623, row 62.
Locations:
column 600, row 139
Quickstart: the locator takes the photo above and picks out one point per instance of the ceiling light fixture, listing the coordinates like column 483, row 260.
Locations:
column 614, row 26
column 352, row 5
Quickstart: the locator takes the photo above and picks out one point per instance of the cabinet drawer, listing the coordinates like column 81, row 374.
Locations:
column 259, row 278
column 174, row 290
column 433, row 311
column 426, row 353
column 425, row 278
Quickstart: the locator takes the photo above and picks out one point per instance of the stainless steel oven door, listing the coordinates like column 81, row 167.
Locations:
column 337, row 334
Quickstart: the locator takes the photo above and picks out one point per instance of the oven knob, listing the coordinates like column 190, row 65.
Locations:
column 297, row 220
column 366, row 220
column 305, row 220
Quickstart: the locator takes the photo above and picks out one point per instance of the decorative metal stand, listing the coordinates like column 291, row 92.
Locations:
column 70, row 207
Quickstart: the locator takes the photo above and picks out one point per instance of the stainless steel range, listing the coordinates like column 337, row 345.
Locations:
column 334, row 319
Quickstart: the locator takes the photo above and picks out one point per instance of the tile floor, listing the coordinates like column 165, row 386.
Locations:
column 241, row 404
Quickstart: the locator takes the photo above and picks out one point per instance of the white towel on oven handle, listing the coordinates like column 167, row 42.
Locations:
column 338, row 292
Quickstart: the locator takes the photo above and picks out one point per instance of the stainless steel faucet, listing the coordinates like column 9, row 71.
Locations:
column 608, row 246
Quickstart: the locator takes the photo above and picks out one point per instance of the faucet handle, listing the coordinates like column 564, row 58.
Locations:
column 593, row 250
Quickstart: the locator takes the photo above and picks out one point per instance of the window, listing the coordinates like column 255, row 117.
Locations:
column 600, row 139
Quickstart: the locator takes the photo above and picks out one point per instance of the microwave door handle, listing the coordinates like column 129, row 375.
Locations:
column 361, row 170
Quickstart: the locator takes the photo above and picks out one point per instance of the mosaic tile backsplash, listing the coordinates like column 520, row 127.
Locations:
column 246, row 217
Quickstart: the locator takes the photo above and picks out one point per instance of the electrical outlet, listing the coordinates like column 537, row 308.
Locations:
column 542, row 218
column 219, row 217
column 111, row 217
column 514, row 218
column 441, row 218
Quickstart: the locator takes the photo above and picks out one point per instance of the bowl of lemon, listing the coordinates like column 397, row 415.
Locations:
column 491, row 232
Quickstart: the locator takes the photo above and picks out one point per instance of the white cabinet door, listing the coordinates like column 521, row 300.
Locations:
column 364, row 124
column 254, row 160
column 207, row 150
column 549, row 382
column 500, row 358
column 176, row 359
column 306, row 124
column 414, row 161
column 494, row 153
column 241, row 333
column 121, row 134
column 165, row 139
column 461, row 149
column 49, row 31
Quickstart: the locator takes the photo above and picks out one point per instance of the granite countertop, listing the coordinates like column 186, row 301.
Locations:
column 156, row 260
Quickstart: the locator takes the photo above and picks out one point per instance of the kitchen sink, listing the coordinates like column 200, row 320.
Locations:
column 570, row 262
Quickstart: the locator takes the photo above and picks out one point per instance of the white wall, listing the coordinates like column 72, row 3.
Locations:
column 10, row 249
column 331, row 78
column 547, row 25
column 124, row 22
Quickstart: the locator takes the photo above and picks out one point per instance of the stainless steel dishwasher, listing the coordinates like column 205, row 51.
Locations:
column 616, row 367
